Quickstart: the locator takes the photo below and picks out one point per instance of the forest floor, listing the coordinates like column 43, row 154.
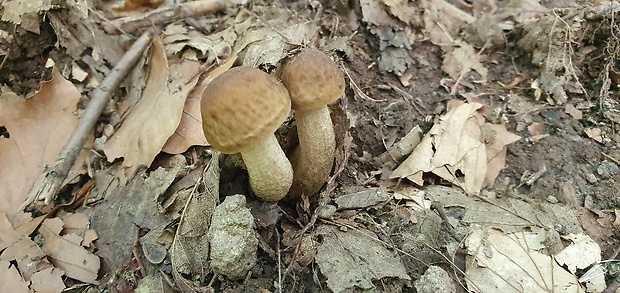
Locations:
column 477, row 148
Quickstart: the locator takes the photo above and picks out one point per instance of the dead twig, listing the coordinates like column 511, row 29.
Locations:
column 532, row 179
column 611, row 158
column 407, row 97
column 49, row 182
column 136, row 254
column 356, row 89
column 438, row 207
column 164, row 15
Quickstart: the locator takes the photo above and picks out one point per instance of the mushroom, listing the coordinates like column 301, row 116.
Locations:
column 241, row 109
column 313, row 81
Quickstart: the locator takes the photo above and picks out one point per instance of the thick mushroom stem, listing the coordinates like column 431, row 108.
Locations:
column 314, row 158
column 271, row 174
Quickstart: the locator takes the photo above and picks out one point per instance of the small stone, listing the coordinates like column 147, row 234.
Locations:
column 591, row 178
column 362, row 199
column 608, row 169
column 552, row 199
column 327, row 211
column 434, row 280
column 233, row 239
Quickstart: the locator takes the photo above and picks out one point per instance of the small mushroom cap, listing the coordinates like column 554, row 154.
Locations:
column 313, row 80
column 241, row 107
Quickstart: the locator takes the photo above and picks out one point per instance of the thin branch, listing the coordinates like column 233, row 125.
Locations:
column 49, row 182
column 164, row 15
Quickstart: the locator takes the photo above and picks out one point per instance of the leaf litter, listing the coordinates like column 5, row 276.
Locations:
column 67, row 252
column 461, row 148
column 142, row 135
column 38, row 127
column 461, row 143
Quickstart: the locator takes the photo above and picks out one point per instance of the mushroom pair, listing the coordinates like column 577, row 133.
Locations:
column 243, row 107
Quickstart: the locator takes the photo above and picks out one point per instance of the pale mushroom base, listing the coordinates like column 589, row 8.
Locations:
column 312, row 165
column 270, row 172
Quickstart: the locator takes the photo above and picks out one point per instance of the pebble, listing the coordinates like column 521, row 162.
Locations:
column 608, row 170
column 327, row 212
column 552, row 199
column 435, row 280
column 591, row 178
column 233, row 239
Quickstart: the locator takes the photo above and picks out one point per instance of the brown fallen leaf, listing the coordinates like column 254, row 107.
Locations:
column 573, row 111
column 515, row 81
column 461, row 59
column 27, row 255
column 48, row 281
column 506, row 260
column 459, row 151
column 17, row 11
column 78, row 224
column 18, row 248
column 77, row 262
column 443, row 21
column 156, row 116
column 189, row 132
column 38, row 127
column 10, row 280
column 496, row 152
column 536, row 128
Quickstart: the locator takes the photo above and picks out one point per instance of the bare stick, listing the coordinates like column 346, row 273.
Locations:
column 163, row 15
column 49, row 182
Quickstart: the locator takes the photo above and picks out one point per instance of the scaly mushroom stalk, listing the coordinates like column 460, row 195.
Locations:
column 313, row 81
column 270, row 172
column 315, row 155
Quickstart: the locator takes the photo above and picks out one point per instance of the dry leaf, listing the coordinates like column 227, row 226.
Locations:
column 457, row 145
column 190, row 249
column 14, row 10
column 594, row 133
column 418, row 162
column 536, row 128
column 512, row 262
column 213, row 46
column 39, row 128
column 77, row 262
column 413, row 198
column 573, row 111
column 374, row 12
column 10, row 280
column 189, row 132
column 523, row 10
column 156, row 116
column 461, row 59
column 18, row 247
column 496, row 152
column 456, row 135
column 443, row 21
column 581, row 254
column 355, row 259
column 402, row 10
column 48, row 280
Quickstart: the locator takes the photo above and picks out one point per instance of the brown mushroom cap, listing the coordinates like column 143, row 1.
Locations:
column 241, row 107
column 313, row 80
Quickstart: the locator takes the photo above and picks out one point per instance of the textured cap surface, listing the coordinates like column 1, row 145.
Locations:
column 313, row 80
column 241, row 107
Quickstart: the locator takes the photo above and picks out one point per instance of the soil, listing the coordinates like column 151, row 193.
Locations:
column 573, row 161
